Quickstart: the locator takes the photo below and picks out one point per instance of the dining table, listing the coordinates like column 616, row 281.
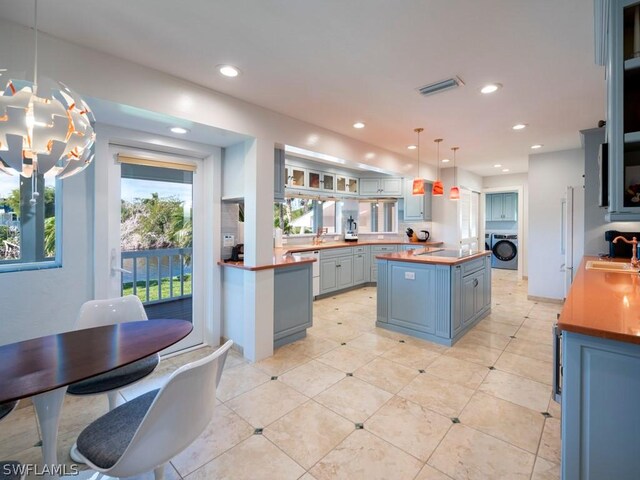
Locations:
column 42, row 368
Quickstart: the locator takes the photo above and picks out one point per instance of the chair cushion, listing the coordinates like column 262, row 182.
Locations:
column 104, row 441
column 10, row 470
column 7, row 408
column 115, row 379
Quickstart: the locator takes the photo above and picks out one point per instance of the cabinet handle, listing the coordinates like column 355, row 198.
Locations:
column 557, row 364
column 475, row 283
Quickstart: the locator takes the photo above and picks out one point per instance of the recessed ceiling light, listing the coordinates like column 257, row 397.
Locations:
column 179, row 130
column 505, row 169
column 412, row 147
column 497, row 165
column 536, row 146
column 519, row 126
column 358, row 125
column 228, row 70
column 445, row 160
column 490, row 88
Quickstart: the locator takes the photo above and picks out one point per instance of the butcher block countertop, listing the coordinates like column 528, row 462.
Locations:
column 603, row 304
column 432, row 256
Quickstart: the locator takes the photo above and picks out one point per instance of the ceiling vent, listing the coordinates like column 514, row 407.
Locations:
column 440, row 86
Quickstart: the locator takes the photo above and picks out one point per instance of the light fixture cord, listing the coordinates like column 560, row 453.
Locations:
column 35, row 35
column 419, row 154
column 438, row 160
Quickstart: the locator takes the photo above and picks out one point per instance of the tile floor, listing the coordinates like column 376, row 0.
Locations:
column 352, row 401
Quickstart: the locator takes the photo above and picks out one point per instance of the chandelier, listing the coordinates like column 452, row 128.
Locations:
column 43, row 131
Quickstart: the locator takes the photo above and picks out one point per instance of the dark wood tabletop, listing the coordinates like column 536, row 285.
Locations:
column 41, row 364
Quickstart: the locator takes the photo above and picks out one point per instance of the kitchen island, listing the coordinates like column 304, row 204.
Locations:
column 433, row 293
column 598, row 378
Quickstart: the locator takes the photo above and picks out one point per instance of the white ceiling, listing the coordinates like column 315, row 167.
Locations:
column 333, row 62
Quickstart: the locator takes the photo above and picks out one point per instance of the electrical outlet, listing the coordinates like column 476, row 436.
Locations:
column 336, row 238
column 409, row 275
column 380, row 237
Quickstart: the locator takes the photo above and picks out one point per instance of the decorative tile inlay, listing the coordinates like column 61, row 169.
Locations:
column 422, row 370
column 492, row 368
column 258, row 431
column 546, row 414
column 455, row 420
column 339, row 323
column 343, row 343
column 349, row 374
column 512, row 336
column 274, row 377
column 401, row 341
column 359, row 426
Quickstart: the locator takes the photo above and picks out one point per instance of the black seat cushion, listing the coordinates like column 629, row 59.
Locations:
column 7, row 408
column 116, row 379
column 10, row 470
column 104, row 441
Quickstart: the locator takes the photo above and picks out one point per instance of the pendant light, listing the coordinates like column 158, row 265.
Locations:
column 454, row 193
column 438, row 188
column 418, row 183
column 43, row 131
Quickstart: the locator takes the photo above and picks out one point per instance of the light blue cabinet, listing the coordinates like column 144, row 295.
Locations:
column 417, row 208
column 435, row 302
column 381, row 187
column 502, row 207
column 377, row 250
column 279, row 175
column 342, row 268
column 600, row 414
column 293, row 303
column 328, row 275
column 359, row 265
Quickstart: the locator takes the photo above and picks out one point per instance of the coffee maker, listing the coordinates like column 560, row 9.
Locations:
column 351, row 234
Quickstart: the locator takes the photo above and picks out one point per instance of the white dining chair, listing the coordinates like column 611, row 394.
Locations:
column 98, row 313
column 10, row 469
column 145, row 433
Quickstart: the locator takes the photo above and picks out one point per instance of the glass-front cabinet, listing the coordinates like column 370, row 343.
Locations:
column 328, row 182
column 346, row 184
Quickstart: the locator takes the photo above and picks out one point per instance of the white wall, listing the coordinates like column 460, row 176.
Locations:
column 515, row 180
column 549, row 176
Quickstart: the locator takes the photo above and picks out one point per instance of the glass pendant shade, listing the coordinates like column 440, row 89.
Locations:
column 49, row 134
column 454, row 193
column 418, row 186
column 438, row 188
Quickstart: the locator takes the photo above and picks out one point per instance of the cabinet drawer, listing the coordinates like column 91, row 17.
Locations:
column 384, row 248
column 361, row 249
column 335, row 252
column 473, row 266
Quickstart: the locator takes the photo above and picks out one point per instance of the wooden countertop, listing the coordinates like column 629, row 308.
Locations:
column 603, row 304
column 282, row 259
column 414, row 256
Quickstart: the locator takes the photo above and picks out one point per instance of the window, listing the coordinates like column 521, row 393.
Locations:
column 377, row 216
column 28, row 232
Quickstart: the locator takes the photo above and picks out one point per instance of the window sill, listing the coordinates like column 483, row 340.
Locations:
column 25, row 267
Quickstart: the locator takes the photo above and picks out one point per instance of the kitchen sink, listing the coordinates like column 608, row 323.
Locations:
column 611, row 267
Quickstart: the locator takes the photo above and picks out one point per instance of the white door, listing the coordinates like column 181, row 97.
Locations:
column 155, row 254
column 469, row 219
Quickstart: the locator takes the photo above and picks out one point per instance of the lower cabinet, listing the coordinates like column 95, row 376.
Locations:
column 359, row 265
column 342, row 268
column 344, row 271
column 600, row 415
column 293, row 303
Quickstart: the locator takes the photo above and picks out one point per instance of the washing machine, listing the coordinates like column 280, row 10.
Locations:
column 487, row 241
column 504, row 249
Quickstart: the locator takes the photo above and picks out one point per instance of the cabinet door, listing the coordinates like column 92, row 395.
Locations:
column 328, row 275
column 352, row 185
column 297, row 177
column 413, row 204
column 369, row 186
column 412, row 295
column 390, row 186
column 358, row 268
column 456, row 297
column 345, row 271
column 314, row 180
column 479, row 292
column 427, row 202
column 279, row 178
column 341, row 183
column 510, row 207
column 496, row 207
column 468, row 298
column 328, row 182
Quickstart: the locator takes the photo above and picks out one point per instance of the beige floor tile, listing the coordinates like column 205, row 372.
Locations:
column 535, row 335
column 312, row 378
column 19, row 431
column 283, row 359
column 385, row 374
column 314, row 346
column 466, row 453
column 500, row 328
column 225, row 431
column 238, row 380
column 234, row 359
column 353, row 399
column 364, row 322
column 507, row 317
column 256, row 458
column 475, row 353
column 530, row 349
column 426, row 344
column 409, row 426
column 554, row 408
column 265, row 404
column 544, row 470
column 192, row 356
column 550, row 443
column 309, row 432
column 486, row 339
column 372, row 343
column 336, row 333
column 516, row 389
column 346, row 359
column 546, row 325
column 411, row 356
column 537, row 370
column 364, row 456
column 444, row 397
column 467, row 374
column 430, row 473
column 80, row 411
column 505, row 420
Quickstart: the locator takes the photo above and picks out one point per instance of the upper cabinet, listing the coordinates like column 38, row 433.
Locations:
column 623, row 115
column 381, row 187
column 417, row 208
column 502, row 207
column 279, row 175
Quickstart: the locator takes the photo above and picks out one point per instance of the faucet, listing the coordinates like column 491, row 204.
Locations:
column 634, row 255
